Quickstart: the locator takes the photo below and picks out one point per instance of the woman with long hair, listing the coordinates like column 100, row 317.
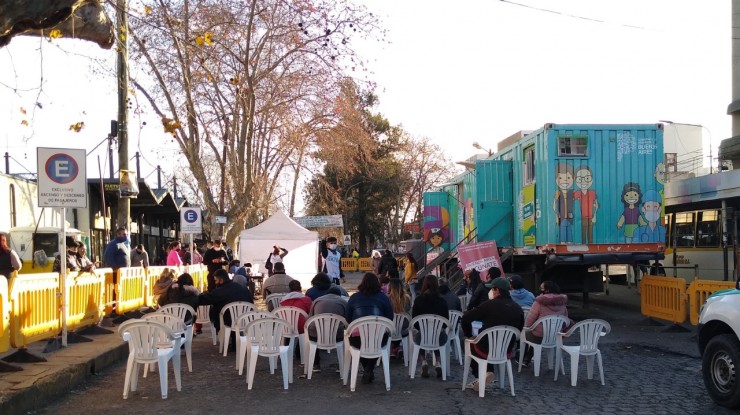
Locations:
column 368, row 301
column 9, row 261
column 401, row 303
column 430, row 302
column 410, row 270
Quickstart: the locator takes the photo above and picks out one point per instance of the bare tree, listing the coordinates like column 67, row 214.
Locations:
column 245, row 85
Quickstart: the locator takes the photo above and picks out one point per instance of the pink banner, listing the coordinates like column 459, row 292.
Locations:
column 480, row 256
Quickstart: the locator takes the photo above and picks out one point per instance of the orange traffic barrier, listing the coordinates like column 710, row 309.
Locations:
column 4, row 315
column 698, row 292
column 663, row 298
column 349, row 264
column 130, row 289
column 86, row 304
column 35, row 308
column 365, row 264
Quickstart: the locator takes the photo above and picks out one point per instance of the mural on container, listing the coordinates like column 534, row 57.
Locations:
column 563, row 202
column 661, row 179
column 630, row 219
column 527, row 214
column 436, row 230
column 588, row 203
column 652, row 231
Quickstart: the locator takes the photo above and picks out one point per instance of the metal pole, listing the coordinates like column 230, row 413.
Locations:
column 63, row 275
column 124, row 203
column 7, row 163
column 724, row 240
column 138, row 165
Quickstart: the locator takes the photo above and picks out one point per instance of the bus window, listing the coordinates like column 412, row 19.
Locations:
column 684, row 229
column 707, row 228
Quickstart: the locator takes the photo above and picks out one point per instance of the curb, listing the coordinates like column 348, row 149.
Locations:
column 49, row 388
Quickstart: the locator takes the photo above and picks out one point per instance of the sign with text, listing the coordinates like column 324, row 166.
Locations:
column 480, row 256
column 347, row 240
column 62, row 177
column 330, row 221
column 191, row 220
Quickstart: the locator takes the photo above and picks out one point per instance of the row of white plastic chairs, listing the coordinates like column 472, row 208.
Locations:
column 267, row 341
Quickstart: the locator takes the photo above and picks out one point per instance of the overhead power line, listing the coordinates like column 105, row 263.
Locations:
column 572, row 16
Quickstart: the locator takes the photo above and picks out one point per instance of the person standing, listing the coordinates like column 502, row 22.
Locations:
column 388, row 264
column 274, row 257
column 9, row 261
column 375, row 262
column 214, row 259
column 173, row 257
column 332, row 260
column 139, row 257
column 117, row 253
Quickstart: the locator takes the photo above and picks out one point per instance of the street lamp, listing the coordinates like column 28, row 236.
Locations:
column 479, row 147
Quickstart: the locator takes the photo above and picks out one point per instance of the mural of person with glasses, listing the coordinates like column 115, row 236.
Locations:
column 563, row 202
column 589, row 204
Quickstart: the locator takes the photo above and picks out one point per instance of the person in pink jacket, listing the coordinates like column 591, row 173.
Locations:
column 173, row 257
column 549, row 302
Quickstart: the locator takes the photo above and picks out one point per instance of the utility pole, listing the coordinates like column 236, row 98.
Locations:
column 124, row 203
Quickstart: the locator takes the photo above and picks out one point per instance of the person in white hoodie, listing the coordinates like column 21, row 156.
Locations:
column 519, row 294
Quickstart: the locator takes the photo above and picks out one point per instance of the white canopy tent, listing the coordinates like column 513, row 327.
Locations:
column 256, row 243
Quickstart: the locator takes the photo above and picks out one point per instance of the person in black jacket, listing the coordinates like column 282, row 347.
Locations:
column 214, row 259
column 225, row 292
column 480, row 294
column 429, row 302
column 388, row 265
column 500, row 311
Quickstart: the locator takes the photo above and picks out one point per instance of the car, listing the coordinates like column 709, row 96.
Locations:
column 719, row 346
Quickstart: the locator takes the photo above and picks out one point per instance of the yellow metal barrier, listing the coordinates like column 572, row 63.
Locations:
column 663, row 298
column 199, row 272
column 35, row 309
column 698, row 292
column 365, row 264
column 4, row 315
column 349, row 264
column 86, row 304
column 109, row 288
column 130, row 289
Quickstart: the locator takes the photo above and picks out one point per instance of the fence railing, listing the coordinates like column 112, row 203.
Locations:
column 698, row 292
column 672, row 299
column 86, row 306
column 34, row 314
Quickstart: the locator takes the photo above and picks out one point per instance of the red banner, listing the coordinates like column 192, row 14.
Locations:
column 481, row 256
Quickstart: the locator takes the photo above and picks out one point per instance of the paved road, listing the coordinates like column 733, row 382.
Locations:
column 648, row 371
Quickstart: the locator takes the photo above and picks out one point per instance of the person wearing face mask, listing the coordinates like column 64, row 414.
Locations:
column 651, row 209
column 550, row 302
column 117, row 253
column 225, row 292
column 214, row 259
column 482, row 292
column 332, row 260
column 72, row 263
column 139, row 257
column 274, row 257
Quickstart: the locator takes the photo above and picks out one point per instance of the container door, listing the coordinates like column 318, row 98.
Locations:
column 494, row 188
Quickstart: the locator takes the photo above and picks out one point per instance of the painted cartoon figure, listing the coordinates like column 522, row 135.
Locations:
column 653, row 231
column 563, row 202
column 630, row 219
column 435, row 239
column 588, row 202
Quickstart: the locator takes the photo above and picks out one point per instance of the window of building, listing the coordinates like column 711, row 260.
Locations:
column 11, row 200
column 529, row 165
column 707, row 228
column 684, row 229
column 573, row 145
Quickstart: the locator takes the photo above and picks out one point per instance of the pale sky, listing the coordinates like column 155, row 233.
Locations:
column 475, row 70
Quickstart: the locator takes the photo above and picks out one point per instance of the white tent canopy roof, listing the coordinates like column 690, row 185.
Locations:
column 279, row 227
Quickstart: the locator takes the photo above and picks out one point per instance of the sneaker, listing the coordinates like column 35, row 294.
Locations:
column 439, row 371
column 473, row 385
column 425, row 370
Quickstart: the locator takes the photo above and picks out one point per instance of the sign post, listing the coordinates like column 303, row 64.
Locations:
column 347, row 240
column 191, row 221
column 62, row 183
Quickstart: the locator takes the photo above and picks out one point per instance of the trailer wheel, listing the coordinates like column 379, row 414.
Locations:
column 720, row 366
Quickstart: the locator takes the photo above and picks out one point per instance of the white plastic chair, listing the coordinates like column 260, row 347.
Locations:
column 293, row 316
column 551, row 326
column 397, row 335
column 273, row 300
column 268, row 341
column 499, row 338
column 242, row 339
column 590, row 332
column 525, row 310
column 173, row 323
column 430, row 327
column 371, row 330
column 463, row 302
column 455, row 317
column 327, row 327
column 187, row 314
column 204, row 319
column 143, row 337
column 235, row 310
